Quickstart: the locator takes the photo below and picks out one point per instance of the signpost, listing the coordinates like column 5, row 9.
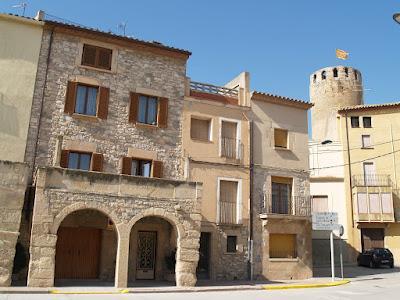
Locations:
column 327, row 221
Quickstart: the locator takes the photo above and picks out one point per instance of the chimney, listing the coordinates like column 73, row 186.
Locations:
column 40, row 15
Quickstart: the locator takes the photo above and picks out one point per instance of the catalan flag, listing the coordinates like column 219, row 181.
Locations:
column 341, row 54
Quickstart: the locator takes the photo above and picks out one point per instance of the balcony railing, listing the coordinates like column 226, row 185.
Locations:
column 213, row 89
column 227, row 212
column 231, row 148
column 294, row 206
column 371, row 180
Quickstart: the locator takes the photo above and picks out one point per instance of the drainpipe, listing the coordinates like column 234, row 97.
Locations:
column 251, row 217
column 349, row 166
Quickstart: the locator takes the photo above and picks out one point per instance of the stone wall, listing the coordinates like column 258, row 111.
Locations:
column 135, row 69
column 264, row 268
column 125, row 200
column 13, row 182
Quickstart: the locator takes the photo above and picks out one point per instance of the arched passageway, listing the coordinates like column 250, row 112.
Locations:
column 86, row 249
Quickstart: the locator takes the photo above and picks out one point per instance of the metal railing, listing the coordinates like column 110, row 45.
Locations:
column 231, row 148
column 371, row 180
column 213, row 89
column 227, row 212
column 294, row 206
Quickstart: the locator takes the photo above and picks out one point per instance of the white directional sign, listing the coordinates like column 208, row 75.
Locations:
column 325, row 221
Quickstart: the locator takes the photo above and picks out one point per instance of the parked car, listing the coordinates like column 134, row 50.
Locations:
column 376, row 257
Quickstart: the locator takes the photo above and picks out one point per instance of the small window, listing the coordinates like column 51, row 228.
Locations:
column 78, row 160
column 281, row 138
column 367, row 122
column 323, row 75
column 366, row 141
column 200, row 129
column 141, row 167
column 315, row 78
column 355, row 74
column 320, row 204
column 282, row 246
column 86, row 100
column 335, row 72
column 355, row 123
column 96, row 57
column 147, row 110
column 346, row 72
column 231, row 243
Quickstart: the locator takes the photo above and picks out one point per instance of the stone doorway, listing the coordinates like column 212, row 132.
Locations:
column 86, row 249
column 152, row 254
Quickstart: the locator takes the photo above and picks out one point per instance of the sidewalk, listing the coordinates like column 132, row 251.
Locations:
column 202, row 287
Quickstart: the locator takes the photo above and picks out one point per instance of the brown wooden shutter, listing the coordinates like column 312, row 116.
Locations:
column 157, row 168
column 89, row 55
column 64, row 158
column 104, row 58
column 102, row 110
column 163, row 112
column 69, row 107
column 133, row 107
column 97, row 162
column 126, row 165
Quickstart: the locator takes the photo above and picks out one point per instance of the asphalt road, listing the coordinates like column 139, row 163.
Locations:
column 375, row 286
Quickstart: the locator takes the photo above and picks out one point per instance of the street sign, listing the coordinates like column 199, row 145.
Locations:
column 325, row 221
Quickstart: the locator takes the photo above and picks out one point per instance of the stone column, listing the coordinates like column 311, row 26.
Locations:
column 121, row 268
column 187, row 259
column 8, row 240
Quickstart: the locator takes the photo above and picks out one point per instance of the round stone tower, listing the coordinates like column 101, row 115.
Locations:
column 330, row 89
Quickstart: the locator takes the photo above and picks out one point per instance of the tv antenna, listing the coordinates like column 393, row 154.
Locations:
column 22, row 5
column 122, row 27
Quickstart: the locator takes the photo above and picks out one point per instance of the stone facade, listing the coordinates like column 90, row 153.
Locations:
column 13, row 182
column 125, row 200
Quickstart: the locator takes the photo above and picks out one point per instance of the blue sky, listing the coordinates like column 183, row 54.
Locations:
column 279, row 42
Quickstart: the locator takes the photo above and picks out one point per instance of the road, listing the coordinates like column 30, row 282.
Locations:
column 376, row 286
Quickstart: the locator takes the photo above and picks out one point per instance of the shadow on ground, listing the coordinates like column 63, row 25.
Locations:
column 353, row 271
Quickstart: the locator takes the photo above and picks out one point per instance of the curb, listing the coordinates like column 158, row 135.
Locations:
column 306, row 286
column 58, row 292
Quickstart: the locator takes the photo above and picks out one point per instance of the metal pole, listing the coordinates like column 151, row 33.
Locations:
column 341, row 258
column 332, row 258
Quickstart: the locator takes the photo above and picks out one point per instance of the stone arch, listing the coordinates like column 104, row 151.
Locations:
column 82, row 206
column 335, row 72
column 323, row 75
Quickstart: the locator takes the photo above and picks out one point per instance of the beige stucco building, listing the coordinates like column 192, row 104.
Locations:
column 19, row 54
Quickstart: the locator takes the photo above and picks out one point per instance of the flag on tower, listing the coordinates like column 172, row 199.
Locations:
column 341, row 54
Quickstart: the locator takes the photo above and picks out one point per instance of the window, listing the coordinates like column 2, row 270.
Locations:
column 346, row 72
column 229, row 141
column 148, row 107
column 355, row 74
column 86, row 100
column 80, row 161
column 231, row 242
column 281, row 138
column 335, row 72
column 374, row 205
column 281, row 195
column 323, row 75
column 96, row 57
column 315, row 78
column 228, row 198
column 282, row 246
column 366, row 141
column 355, row 123
column 362, row 203
column 320, row 204
column 141, row 167
column 200, row 129
column 367, row 122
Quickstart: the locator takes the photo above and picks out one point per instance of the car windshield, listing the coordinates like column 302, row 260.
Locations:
column 382, row 251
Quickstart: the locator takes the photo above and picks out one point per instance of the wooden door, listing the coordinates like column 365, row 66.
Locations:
column 78, row 253
column 372, row 238
column 146, row 255
column 203, row 266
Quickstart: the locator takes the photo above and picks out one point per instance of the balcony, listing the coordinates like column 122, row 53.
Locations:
column 371, row 180
column 204, row 91
column 231, row 148
column 298, row 206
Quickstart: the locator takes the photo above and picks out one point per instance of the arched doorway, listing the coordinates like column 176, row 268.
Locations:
column 86, row 249
column 152, row 253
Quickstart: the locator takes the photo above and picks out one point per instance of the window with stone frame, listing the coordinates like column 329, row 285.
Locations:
column 281, row 194
column 148, row 110
column 96, row 57
column 228, row 201
column 81, row 160
column 231, row 244
column 282, row 246
column 141, row 167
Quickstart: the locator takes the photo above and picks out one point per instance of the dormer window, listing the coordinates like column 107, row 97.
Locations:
column 96, row 57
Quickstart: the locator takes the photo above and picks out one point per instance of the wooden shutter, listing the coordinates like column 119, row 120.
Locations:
column 64, row 159
column 89, row 55
column 102, row 110
column 157, row 168
column 133, row 107
column 126, row 165
column 104, row 58
column 69, row 107
column 97, row 162
column 163, row 112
